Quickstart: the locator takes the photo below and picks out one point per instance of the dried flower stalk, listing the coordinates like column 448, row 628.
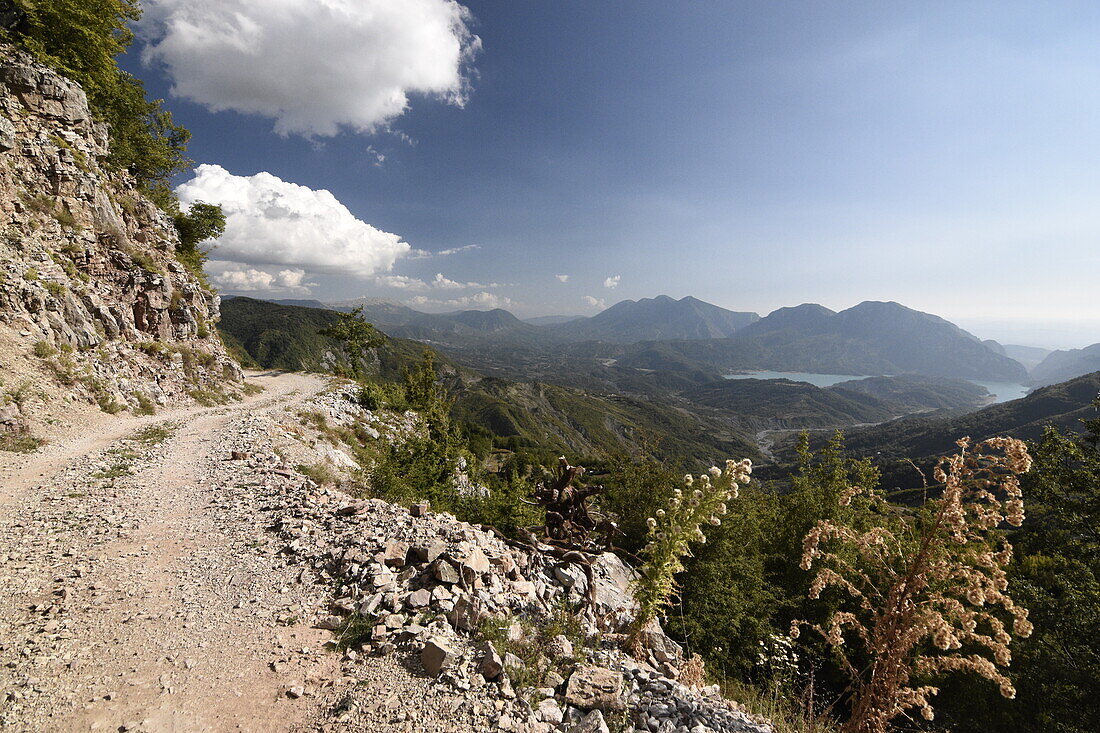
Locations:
column 927, row 587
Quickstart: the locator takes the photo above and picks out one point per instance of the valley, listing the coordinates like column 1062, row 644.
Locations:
column 545, row 387
column 368, row 413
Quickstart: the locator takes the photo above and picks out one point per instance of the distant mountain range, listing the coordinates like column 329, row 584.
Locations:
column 661, row 333
column 872, row 338
column 1058, row 366
column 656, row 319
column 1029, row 356
column 551, row 320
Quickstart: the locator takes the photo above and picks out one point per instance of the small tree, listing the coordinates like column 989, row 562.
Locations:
column 353, row 331
column 199, row 224
column 925, row 584
column 673, row 529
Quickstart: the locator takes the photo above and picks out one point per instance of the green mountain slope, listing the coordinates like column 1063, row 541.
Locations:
column 1062, row 405
column 521, row 414
column 914, row 393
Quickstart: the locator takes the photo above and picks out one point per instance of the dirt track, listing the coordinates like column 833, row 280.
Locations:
column 134, row 592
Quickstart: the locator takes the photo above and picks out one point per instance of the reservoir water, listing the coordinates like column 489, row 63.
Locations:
column 817, row 380
column 1001, row 391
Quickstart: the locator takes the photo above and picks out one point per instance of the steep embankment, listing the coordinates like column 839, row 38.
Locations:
column 93, row 302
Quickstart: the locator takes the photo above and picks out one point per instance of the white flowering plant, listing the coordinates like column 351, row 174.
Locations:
column 670, row 532
column 927, row 588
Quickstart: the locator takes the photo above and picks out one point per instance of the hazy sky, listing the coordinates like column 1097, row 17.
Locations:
column 553, row 156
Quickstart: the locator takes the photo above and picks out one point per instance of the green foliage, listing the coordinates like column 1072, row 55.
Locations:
column 744, row 584
column 530, row 646
column 357, row 336
column 145, row 405
column 1056, row 575
column 81, row 38
column 200, row 223
column 674, row 528
column 422, row 466
column 637, row 486
column 44, row 349
column 209, row 397
column 19, row 442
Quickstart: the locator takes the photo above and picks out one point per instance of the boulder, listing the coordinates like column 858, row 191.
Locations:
column 419, row 598
column 436, row 656
column 472, row 563
column 395, row 553
column 444, row 572
column 489, row 663
column 559, row 647
column 427, row 552
column 592, row 687
column 7, row 134
column 593, row 722
column 467, row 613
column 330, row 623
column 550, row 712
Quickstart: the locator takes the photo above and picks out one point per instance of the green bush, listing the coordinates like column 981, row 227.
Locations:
column 200, row 223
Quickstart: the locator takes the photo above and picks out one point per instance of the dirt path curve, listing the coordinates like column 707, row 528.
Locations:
column 98, row 430
column 136, row 591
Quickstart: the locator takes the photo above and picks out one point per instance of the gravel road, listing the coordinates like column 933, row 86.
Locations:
column 136, row 589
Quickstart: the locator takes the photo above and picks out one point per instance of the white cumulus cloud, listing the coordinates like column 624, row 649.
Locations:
column 476, row 301
column 594, row 302
column 613, row 281
column 270, row 221
column 315, row 66
column 562, row 278
column 243, row 279
column 439, row 282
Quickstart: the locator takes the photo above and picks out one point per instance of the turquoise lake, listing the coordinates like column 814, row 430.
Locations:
column 1001, row 391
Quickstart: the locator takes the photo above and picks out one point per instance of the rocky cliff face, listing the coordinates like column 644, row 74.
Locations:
column 91, row 294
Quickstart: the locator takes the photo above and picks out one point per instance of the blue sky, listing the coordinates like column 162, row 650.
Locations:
column 753, row 154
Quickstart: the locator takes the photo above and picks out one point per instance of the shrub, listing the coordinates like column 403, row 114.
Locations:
column 145, row 405
column 44, row 349
column 200, row 223
column 924, row 583
column 356, row 335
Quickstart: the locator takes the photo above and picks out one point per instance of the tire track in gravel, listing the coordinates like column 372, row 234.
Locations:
column 140, row 602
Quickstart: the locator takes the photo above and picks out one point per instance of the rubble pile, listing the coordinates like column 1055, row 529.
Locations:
column 454, row 599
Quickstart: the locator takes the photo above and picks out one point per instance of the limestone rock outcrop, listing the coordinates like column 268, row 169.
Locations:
column 89, row 281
